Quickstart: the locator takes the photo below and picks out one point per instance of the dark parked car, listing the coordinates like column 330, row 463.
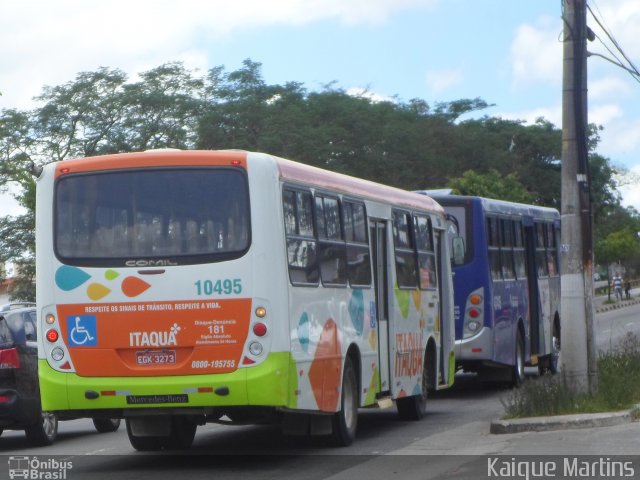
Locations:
column 19, row 389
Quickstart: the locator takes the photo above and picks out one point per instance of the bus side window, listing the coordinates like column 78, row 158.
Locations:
column 355, row 231
column 506, row 249
column 541, row 253
column 426, row 253
column 493, row 244
column 301, row 242
column 331, row 246
column 405, row 255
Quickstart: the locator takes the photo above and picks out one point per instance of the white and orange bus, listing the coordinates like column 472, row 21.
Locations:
column 176, row 288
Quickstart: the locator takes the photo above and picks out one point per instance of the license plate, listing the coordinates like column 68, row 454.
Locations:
column 156, row 357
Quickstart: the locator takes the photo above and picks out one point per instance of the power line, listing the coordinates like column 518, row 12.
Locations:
column 632, row 69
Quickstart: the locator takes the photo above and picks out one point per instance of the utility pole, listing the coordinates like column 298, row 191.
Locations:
column 577, row 334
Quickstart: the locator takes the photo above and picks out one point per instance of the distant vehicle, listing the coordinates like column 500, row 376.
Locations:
column 19, row 389
column 506, row 284
column 596, row 276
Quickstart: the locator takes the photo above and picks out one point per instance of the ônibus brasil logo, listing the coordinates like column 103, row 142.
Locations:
column 155, row 338
column 36, row 469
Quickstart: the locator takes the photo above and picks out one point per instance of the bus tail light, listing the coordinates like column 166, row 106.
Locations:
column 474, row 314
column 52, row 335
column 260, row 329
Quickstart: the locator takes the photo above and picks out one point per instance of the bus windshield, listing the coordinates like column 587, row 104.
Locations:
column 188, row 215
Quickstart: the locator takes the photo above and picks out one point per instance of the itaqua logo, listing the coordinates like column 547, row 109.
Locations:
column 33, row 468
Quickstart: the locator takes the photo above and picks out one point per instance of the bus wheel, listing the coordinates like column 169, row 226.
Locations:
column 183, row 431
column 517, row 374
column 145, row 443
column 415, row 407
column 43, row 432
column 554, row 358
column 345, row 422
column 106, row 425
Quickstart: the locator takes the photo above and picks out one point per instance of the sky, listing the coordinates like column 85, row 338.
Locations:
column 508, row 53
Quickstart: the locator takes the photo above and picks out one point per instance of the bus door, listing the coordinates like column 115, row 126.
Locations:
column 532, row 281
column 378, row 235
column 446, row 335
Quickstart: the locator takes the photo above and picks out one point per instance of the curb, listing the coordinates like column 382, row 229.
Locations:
column 562, row 422
column 616, row 306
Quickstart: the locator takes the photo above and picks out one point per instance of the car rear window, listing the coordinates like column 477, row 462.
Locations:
column 17, row 327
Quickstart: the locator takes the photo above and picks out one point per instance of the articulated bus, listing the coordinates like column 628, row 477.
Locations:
column 176, row 288
column 507, row 285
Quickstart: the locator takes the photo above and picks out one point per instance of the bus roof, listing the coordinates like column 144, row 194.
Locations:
column 317, row 177
column 152, row 158
column 495, row 206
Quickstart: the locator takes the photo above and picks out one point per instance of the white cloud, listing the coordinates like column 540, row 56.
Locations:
column 608, row 87
column 441, row 80
column 621, row 19
column 622, row 137
column 552, row 114
column 631, row 191
column 364, row 93
column 605, row 114
column 44, row 42
column 536, row 52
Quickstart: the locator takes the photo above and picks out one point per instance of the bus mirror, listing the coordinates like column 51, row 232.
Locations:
column 458, row 250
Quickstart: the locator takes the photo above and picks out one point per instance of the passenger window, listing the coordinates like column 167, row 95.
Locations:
column 405, row 255
column 302, row 254
column 358, row 257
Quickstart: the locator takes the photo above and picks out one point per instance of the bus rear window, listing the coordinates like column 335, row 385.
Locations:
column 187, row 215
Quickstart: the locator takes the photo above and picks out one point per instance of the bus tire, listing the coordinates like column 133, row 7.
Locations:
column 415, row 406
column 554, row 358
column 43, row 432
column 106, row 425
column 183, row 431
column 145, row 443
column 345, row 421
column 517, row 372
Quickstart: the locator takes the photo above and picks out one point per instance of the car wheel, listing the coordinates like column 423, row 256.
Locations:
column 43, row 432
column 106, row 425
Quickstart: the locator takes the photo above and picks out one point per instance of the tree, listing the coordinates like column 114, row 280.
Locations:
column 411, row 145
column 492, row 185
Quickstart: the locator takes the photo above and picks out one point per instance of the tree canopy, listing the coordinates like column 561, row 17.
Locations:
column 408, row 144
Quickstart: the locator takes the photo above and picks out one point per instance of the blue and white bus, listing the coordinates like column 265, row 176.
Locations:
column 506, row 285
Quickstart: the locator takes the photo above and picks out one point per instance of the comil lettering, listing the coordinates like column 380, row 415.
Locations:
column 153, row 339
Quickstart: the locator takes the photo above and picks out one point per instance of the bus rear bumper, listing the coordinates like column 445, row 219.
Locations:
column 476, row 348
column 267, row 384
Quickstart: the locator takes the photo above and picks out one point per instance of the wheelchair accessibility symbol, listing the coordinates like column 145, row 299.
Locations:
column 81, row 331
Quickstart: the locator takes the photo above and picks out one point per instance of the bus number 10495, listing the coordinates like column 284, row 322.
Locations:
column 219, row 287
